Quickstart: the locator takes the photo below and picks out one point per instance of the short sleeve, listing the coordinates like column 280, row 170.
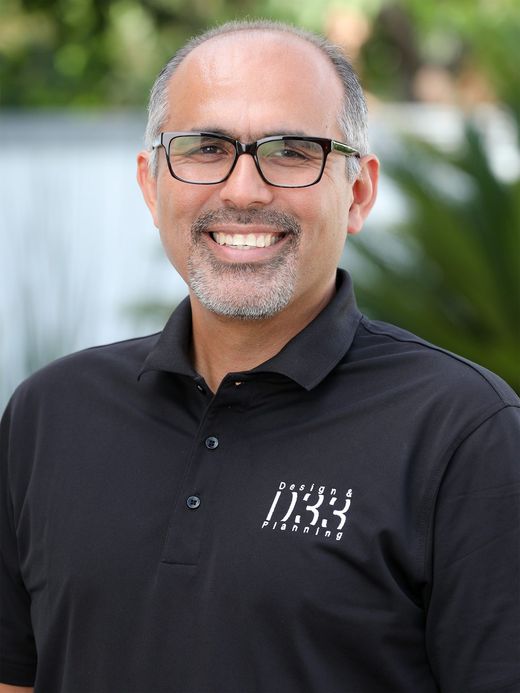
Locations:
column 17, row 647
column 473, row 618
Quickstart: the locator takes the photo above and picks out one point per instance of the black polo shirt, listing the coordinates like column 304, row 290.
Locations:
column 342, row 518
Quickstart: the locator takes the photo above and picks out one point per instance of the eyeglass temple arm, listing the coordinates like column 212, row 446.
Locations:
column 344, row 149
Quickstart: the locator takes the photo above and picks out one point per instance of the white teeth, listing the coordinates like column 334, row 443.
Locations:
column 250, row 240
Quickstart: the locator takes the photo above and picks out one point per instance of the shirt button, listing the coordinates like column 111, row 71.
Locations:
column 193, row 502
column 211, row 443
column 200, row 389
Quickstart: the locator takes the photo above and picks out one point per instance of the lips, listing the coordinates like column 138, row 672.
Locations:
column 245, row 229
column 246, row 241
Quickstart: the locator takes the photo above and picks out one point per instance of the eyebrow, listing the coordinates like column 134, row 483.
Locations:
column 271, row 133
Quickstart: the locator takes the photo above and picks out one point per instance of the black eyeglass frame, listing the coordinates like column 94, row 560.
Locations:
column 328, row 146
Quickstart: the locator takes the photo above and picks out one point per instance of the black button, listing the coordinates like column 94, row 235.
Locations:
column 211, row 443
column 193, row 502
column 200, row 388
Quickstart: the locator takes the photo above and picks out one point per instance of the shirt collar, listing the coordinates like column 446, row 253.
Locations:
column 307, row 358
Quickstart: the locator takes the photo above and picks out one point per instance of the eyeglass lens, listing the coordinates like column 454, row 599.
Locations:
column 209, row 159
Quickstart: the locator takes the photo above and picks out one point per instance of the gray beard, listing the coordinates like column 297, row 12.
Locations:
column 244, row 291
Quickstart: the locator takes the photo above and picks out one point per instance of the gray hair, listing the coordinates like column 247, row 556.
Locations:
column 352, row 118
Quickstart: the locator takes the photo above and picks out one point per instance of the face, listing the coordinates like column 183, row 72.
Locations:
column 246, row 249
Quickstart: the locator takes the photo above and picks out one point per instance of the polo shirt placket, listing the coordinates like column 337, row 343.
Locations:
column 197, row 497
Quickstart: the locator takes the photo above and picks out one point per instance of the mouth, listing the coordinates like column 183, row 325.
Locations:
column 247, row 237
column 246, row 241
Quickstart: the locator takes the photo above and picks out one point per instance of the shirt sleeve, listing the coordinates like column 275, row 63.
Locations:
column 473, row 617
column 17, row 647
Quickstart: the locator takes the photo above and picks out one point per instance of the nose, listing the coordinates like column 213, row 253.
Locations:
column 245, row 188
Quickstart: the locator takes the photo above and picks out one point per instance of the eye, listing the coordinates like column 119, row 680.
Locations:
column 198, row 148
column 207, row 150
column 214, row 148
column 291, row 152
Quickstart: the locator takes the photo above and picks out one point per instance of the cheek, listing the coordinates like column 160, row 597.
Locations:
column 173, row 226
column 325, row 221
column 174, row 221
column 325, row 217
column 179, row 204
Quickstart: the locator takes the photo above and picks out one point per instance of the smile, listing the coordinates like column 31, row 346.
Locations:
column 246, row 241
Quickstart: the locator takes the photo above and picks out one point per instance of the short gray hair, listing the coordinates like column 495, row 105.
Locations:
column 353, row 116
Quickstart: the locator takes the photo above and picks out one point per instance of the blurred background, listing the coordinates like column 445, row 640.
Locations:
column 80, row 261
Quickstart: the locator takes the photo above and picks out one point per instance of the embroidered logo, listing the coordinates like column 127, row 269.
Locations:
column 309, row 509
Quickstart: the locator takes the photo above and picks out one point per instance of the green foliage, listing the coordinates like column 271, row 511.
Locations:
column 80, row 53
column 457, row 283
column 463, row 37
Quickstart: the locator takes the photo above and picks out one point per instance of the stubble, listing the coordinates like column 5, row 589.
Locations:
column 245, row 291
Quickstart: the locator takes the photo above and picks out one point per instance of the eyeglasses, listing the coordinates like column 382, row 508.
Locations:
column 286, row 161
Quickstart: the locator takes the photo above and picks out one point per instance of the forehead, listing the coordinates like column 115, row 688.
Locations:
column 256, row 83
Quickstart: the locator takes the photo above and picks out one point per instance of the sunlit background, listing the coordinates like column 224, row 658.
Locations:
column 80, row 261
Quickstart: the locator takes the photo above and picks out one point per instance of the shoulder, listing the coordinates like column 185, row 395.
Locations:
column 419, row 386
column 427, row 361
column 76, row 374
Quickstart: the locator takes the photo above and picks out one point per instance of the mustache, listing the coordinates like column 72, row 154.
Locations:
column 280, row 221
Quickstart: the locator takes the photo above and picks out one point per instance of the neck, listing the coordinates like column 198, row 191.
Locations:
column 226, row 345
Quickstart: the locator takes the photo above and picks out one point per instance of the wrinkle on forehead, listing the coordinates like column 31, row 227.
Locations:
column 260, row 64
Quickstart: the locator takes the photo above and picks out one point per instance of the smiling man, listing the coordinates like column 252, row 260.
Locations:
column 258, row 240
column 275, row 493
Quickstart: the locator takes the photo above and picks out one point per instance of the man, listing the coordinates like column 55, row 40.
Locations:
column 275, row 493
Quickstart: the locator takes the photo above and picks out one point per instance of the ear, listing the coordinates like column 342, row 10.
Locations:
column 148, row 184
column 364, row 193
